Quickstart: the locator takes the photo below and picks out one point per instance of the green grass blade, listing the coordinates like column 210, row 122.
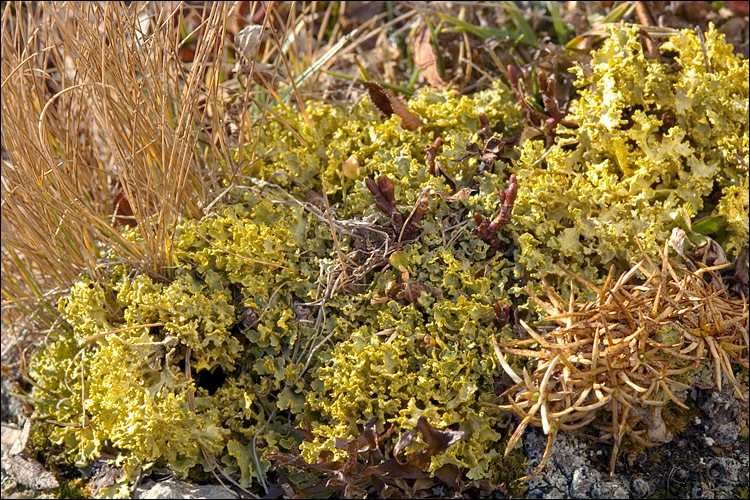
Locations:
column 482, row 32
column 284, row 94
column 529, row 37
column 615, row 14
column 561, row 29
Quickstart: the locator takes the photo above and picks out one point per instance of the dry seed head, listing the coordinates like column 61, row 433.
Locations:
column 350, row 167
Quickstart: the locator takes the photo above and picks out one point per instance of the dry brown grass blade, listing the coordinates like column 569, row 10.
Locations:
column 100, row 111
column 106, row 91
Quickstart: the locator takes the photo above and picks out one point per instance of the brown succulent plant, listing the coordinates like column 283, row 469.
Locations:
column 545, row 122
column 407, row 291
column 489, row 149
column 385, row 200
column 623, row 352
column 366, row 462
column 487, row 228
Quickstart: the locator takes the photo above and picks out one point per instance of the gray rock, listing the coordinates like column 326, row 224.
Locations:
column 24, row 469
column 707, row 459
column 29, row 472
column 639, row 487
column 174, row 489
column 580, row 486
column 607, row 488
column 725, row 415
column 535, row 494
column 570, row 471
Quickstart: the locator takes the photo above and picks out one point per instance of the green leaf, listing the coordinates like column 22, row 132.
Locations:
column 242, row 453
column 399, row 259
column 709, row 225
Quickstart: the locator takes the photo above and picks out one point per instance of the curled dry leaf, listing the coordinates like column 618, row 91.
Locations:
column 677, row 242
column 437, row 440
column 740, row 267
column 458, row 195
column 315, row 199
column 408, row 120
column 737, row 276
column 425, row 58
column 248, row 39
column 710, row 253
column 388, row 104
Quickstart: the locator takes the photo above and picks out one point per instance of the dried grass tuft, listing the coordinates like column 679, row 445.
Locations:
column 120, row 115
column 627, row 353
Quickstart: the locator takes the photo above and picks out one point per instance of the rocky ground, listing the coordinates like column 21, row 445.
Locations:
column 706, row 459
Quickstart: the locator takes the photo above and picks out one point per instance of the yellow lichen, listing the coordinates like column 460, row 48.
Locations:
column 265, row 324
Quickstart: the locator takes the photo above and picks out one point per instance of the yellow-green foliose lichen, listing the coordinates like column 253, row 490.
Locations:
column 242, row 343
column 653, row 136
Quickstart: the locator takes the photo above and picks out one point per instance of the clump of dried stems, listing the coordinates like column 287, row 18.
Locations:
column 101, row 129
column 612, row 354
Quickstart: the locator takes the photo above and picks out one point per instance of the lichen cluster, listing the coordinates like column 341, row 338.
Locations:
column 277, row 314
column 652, row 137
